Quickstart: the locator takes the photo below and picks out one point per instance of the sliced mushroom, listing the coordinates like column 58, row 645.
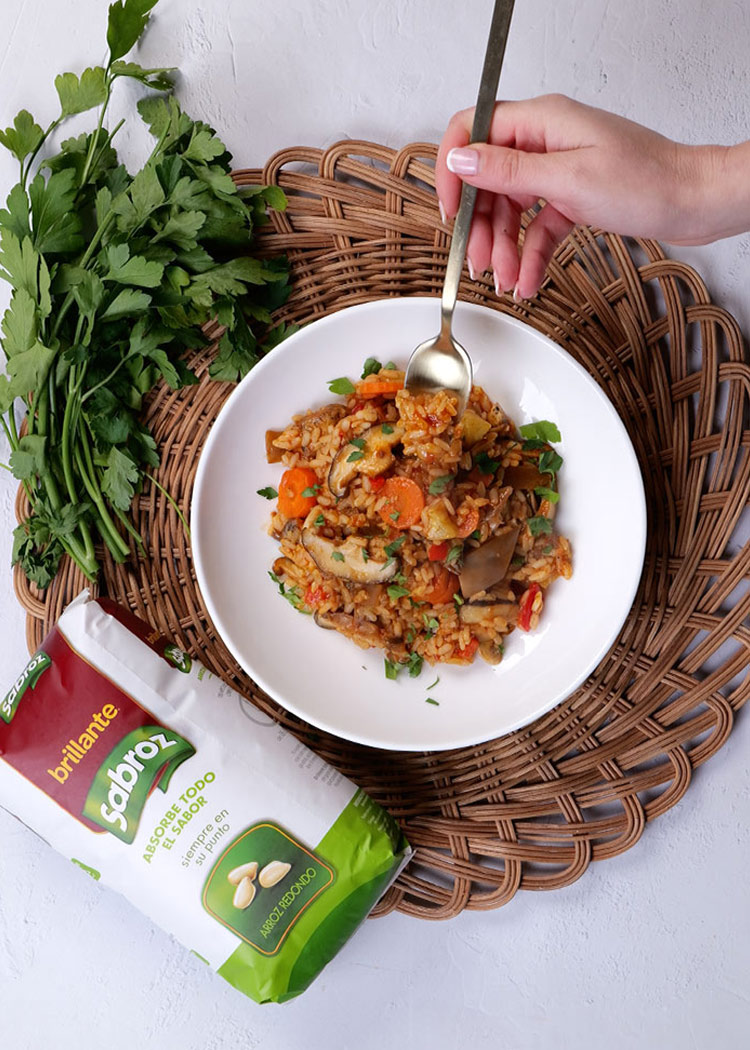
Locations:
column 490, row 652
column 525, row 476
column 273, row 454
column 292, row 531
column 346, row 560
column 282, row 566
column 475, row 612
column 363, row 633
column 377, row 456
column 487, row 565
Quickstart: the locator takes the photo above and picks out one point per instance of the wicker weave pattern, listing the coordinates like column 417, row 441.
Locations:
column 532, row 809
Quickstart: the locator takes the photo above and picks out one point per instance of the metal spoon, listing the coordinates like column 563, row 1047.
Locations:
column 441, row 363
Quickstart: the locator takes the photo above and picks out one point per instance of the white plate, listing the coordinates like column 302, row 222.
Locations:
column 326, row 679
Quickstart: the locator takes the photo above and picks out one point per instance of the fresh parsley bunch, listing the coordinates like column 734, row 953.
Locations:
column 112, row 275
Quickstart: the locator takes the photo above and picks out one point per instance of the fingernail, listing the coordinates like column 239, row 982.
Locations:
column 516, row 297
column 443, row 216
column 463, row 161
column 471, row 268
column 497, row 283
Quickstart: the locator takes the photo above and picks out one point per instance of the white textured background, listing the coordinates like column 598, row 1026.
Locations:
column 651, row 949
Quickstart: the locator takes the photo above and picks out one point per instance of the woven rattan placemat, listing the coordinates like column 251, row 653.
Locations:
column 532, row 809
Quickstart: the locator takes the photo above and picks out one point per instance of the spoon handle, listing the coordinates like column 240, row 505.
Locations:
column 493, row 61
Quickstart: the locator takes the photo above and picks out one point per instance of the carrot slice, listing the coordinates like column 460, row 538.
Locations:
column 467, row 519
column 445, row 586
column 378, row 387
column 404, row 503
column 294, row 499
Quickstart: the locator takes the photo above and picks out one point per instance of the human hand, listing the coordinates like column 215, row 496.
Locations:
column 590, row 167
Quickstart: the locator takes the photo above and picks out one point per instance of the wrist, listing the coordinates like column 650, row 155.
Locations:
column 717, row 192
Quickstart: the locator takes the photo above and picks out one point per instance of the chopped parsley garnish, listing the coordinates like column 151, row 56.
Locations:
column 357, row 442
column 546, row 493
column 291, row 594
column 337, row 556
column 371, row 367
column 550, row 462
column 458, row 599
column 311, row 491
column 484, row 464
column 268, row 492
column 415, row 665
column 431, row 624
column 415, row 603
column 539, row 526
column 395, row 516
column 342, row 385
column 440, row 484
column 365, row 554
column 542, row 430
column 429, row 700
column 391, row 548
column 391, row 669
column 454, row 554
column 411, row 634
column 320, row 520
column 400, row 578
column 475, row 535
column 396, row 591
column 516, row 561
column 355, row 456
column 547, row 549
column 387, row 428
column 390, row 365
column 533, row 445
column 433, row 684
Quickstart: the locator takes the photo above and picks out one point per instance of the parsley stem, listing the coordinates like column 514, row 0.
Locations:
column 173, row 503
column 13, row 444
column 32, row 158
column 120, row 550
column 95, row 137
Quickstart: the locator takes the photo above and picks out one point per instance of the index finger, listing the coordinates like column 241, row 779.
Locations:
column 448, row 185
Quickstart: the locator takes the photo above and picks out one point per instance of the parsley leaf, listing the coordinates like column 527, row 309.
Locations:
column 337, row 556
column 440, row 484
column 24, row 137
column 395, row 515
column 341, row 386
column 357, row 442
column 391, row 669
column 387, row 428
column 268, row 493
column 371, row 367
column 484, row 464
column 127, row 20
column 429, row 700
column 414, row 665
column 454, row 554
column 458, row 599
column 539, row 526
column 548, row 494
column 311, row 491
column 542, row 430
column 355, row 456
column 396, row 591
column 392, row 547
column 365, row 554
column 319, row 521
column 550, row 462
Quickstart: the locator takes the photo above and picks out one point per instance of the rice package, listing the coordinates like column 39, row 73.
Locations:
column 154, row 776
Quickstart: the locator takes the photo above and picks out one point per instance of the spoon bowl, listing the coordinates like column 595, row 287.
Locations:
column 441, row 364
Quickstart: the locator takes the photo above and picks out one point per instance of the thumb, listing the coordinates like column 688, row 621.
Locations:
column 509, row 171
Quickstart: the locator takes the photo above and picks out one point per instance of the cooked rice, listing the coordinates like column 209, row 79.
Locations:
column 433, row 445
